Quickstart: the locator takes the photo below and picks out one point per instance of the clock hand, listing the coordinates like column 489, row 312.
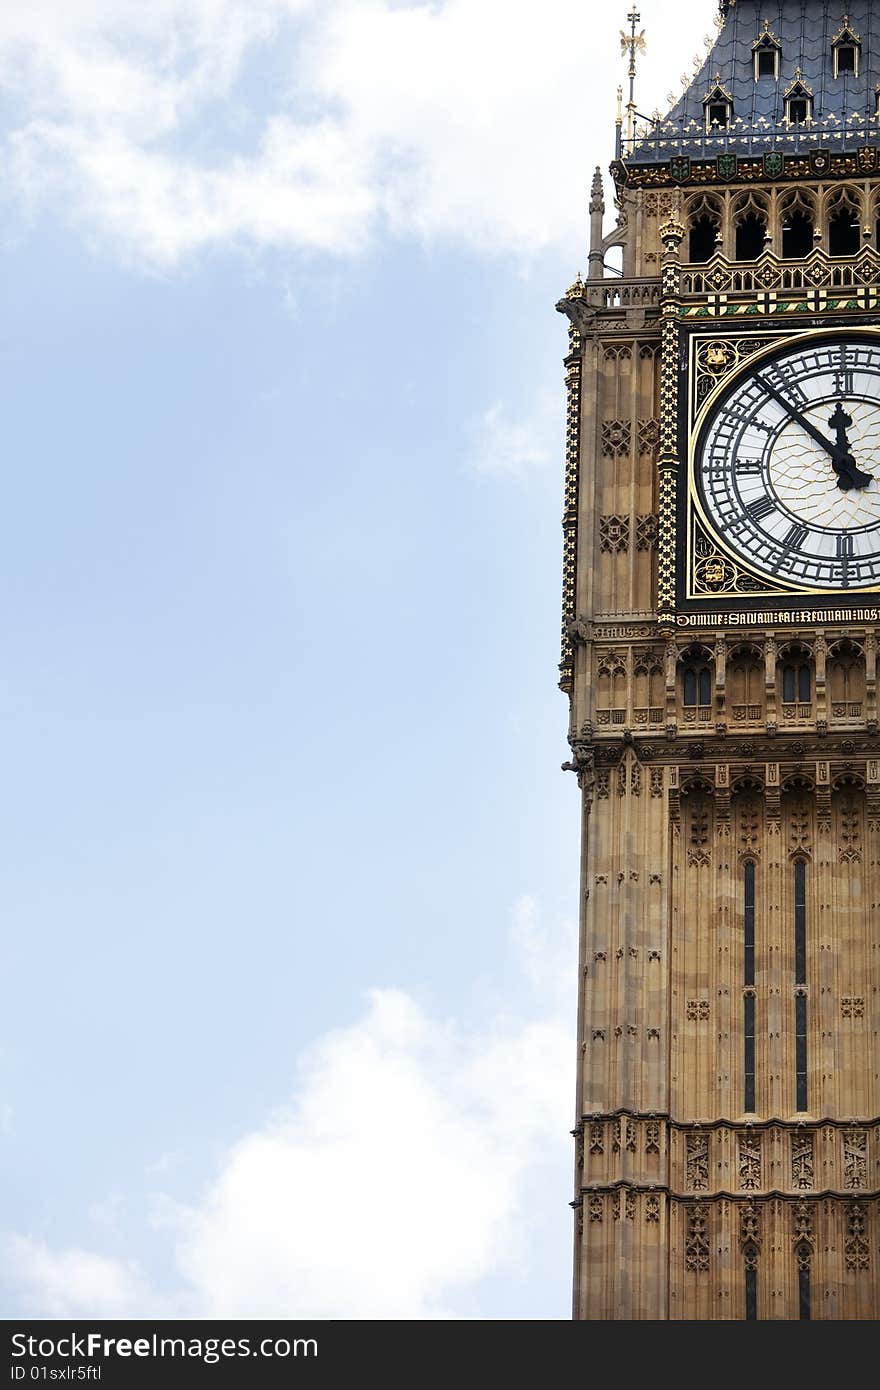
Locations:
column 822, row 440
column 848, row 471
column 842, row 461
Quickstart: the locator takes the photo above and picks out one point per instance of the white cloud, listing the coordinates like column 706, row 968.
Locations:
column 67, row 1282
column 390, row 1188
column 506, row 448
column 463, row 120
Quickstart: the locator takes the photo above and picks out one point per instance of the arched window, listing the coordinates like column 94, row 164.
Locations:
column 702, row 237
column 795, row 674
column 750, row 226
column 745, row 685
column 796, row 683
column 844, row 224
column 648, row 691
column 798, row 225
column 696, row 687
column 845, row 678
column 704, row 228
column 611, row 690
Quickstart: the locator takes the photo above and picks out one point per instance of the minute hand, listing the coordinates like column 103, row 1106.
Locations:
column 821, row 439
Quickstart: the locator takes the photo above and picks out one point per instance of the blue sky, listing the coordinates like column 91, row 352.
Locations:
column 289, row 877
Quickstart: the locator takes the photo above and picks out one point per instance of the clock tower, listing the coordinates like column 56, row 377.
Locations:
column 721, row 604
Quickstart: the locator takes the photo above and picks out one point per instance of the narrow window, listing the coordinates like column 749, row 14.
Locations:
column 788, row 684
column 750, row 233
column 749, row 925
column 749, row 1039
column 797, row 110
column 797, row 235
column 701, row 242
column 751, row 1294
column 800, row 923
column 748, row 981
column 766, row 59
column 846, row 58
column 718, row 113
column 705, row 687
column 844, row 233
column 804, row 693
column 804, row 1292
column 800, row 1043
column 690, row 687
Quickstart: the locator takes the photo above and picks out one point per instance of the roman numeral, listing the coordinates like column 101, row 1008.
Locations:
column 793, row 540
column 748, row 468
column 844, row 547
column 789, row 387
column 843, row 383
column 761, row 508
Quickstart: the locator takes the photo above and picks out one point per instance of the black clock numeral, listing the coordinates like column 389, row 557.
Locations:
column 844, row 547
column 795, row 536
column 761, row 508
column 789, row 387
column 748, row 468
column 844, row 383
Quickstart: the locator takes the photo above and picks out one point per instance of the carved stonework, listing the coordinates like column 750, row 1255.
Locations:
column 597, row 1137
column 749, row 828
column 613, row 533
column 615, row 438
column 646, row 532
column 697, row 1010
column 802, row 1160
column 697, row 1162
column 850, row 851
column 656, row 781
column 649, row 436
column 597, row 1208
column 856, row 1248
column 652, row 1137
column 696, row 1257
column 652, row 1207
column 698, row 848
column 749, row 1160
column 803, row 1234
column 852, row 1006
column 750, row 1234
column 855, row 1158
column 799, row 828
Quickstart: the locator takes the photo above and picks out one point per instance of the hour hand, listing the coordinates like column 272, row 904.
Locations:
column 849, row 475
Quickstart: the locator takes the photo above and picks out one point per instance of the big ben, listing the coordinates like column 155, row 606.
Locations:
column 721, row 603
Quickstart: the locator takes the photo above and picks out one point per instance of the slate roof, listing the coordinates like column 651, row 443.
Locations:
column 843, row 108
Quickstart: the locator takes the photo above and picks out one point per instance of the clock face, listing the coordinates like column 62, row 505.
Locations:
column 787, row 466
